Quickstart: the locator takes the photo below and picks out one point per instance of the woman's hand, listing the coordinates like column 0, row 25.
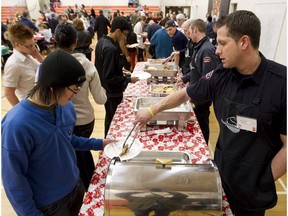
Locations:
column 108, row 141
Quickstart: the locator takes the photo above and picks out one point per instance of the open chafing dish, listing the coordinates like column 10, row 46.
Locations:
column 156, row 61
column 176, row 116
column 141, row 185
column 162, row 90
column 160, row 70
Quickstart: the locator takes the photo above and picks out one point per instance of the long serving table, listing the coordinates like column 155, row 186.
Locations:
column 190, row 141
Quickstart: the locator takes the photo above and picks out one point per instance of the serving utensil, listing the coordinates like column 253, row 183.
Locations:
column 126, row 146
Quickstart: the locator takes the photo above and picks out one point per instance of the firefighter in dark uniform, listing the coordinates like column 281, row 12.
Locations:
column 203, row 61
column 249, row 95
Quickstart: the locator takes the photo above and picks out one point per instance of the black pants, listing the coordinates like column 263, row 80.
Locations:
column 202, row 113
column 67, row 206
column 110, row 107
column 140, row 55
column 237, row 211
column 85, row 160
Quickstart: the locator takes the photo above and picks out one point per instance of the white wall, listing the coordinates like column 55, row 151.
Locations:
column 13, row 3
column 274, row 32
column 273, row 17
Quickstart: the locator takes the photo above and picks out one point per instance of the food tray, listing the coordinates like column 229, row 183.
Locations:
column 178, row 114
column 160, row 70
column 155, row 61
column 162, row 90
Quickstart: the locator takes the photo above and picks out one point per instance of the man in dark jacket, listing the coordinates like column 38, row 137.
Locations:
column 203, row 61
column 108, row 63
column 101, row 25
column 24, row 19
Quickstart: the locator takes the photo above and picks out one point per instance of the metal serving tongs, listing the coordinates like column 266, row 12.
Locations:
column 126, row 146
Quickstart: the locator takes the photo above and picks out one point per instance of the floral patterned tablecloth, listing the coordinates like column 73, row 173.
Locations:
column 189, row 140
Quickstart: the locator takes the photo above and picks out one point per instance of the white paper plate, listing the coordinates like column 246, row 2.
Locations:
column 132, row 45
column 114, row 149
column 142, row 75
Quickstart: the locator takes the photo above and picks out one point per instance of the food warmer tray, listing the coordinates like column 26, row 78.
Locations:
column 160, row 70
column 178, row 115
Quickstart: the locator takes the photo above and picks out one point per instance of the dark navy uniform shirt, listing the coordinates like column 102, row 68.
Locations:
column 242, row 89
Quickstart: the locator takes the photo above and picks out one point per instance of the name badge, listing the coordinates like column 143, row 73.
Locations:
column 245, row 123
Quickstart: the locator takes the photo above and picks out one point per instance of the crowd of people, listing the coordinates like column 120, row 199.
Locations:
column 47, row 132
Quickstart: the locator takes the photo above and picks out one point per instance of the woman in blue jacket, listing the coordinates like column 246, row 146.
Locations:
column 39, row 170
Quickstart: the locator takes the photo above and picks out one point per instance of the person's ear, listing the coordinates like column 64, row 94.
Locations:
column 244, row 41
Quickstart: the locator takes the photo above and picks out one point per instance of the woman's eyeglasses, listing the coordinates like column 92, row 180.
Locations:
column 29, row 46
column 75, row 91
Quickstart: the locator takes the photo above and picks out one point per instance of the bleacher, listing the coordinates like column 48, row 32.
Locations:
column 154, row 9
column 9, row 12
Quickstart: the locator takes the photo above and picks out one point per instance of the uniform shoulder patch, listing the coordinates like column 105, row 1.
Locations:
column 208, row 75
column 207, row 59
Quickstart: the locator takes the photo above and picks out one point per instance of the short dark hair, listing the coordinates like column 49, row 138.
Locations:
column 199, row 24
column 209, row 18
column 25, row 14
column 119, row 23
column 241, row 23
column 65, row 35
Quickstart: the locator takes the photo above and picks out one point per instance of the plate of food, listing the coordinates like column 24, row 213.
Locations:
column 142, row 75
column 115, row 149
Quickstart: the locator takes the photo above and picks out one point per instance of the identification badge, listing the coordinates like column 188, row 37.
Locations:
column 245, row 123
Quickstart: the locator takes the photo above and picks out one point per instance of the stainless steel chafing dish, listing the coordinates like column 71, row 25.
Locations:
column 160, row 70
column 162, row 90
column 176, row 116
column 141, row 186
column 156, row 61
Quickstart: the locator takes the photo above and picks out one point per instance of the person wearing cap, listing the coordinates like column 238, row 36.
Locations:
column 160, row 44
column 109, row 63
column 138, row 29
column 66, row 39
column 39, row 166
column 101, row 25
column 179, row 41
column 22, row 65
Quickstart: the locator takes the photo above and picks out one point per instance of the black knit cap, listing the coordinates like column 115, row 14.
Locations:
column 60, row 69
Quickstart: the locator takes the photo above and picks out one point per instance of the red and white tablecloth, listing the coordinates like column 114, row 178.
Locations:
column 190, row 141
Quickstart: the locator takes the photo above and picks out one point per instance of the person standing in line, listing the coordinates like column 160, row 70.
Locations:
column 134, row 18
column 180, row 18
column 251, row 151
column 188, row 53
column 24, row 19
column 84, row 39
column 66, row 40
column 101, row 25
column 39, row 170
column 108, row 63
column 179, row 42
column 152, row 28
column 138, row 30
column 160, row 44
column 21, row 67
column 203, row 60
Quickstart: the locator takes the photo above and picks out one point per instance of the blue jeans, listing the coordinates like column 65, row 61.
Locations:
column 67, row 206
